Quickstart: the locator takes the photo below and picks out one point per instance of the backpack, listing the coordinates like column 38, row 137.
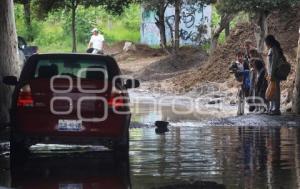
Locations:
column 283, row 69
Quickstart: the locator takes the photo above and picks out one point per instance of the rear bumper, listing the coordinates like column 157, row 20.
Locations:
column 39, row 129
column 106, row 141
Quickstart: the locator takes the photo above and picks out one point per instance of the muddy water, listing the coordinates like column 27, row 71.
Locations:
column 190, row 155
column 233, row 157
column 222, row 157
column 195, row 154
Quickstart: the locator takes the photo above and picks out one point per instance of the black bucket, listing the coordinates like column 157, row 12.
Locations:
column 161, row 127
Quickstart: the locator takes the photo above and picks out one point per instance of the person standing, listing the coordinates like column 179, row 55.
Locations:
column 241, row 70
column 95, row 45
column 261, row 84
column 247, row 48
column 275, row 54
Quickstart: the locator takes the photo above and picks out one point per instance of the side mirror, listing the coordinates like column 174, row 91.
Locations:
column 130, row 84
column 10, row 80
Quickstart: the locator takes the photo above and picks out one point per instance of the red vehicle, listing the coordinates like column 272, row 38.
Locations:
column 70, row 99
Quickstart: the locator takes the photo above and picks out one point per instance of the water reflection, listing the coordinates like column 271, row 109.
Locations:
column 77, row 171
column 246, row 157
column 146, row 112
column 186, row 157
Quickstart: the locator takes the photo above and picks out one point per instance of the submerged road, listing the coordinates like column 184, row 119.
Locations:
column 200, row 151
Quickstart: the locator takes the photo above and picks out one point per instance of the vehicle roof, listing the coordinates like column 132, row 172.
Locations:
column 27, row 71
column 110, row 59
column 71, row 55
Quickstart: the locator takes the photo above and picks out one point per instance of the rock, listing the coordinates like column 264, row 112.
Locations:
column 289, row 107
column 232, row 102
column 218, row 101
column 129, row 46
column 217, row 96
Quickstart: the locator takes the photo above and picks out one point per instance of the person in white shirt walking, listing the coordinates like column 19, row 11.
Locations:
column 95, row 45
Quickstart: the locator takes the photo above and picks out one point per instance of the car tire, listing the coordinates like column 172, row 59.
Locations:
column 121, row 147
column 18, row 150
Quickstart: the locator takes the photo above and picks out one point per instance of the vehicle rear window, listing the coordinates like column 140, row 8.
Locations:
column 84, row 69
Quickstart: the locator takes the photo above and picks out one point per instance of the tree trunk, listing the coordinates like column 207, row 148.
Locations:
column 8, row 55
column 214, row 41
column 160, row 23
column 74, row 41
column 170, row 26
column 227, row 29
column 296, row 98
column 27, row 15
column 177, row 25
column 162, row 26
column 225, row 20
column 261, row 29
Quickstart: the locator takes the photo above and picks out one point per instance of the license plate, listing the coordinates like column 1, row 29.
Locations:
column 69, row 125
column 70, row 186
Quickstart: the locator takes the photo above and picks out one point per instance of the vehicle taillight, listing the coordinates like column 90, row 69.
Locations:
column 25, row 97
column 116, row 100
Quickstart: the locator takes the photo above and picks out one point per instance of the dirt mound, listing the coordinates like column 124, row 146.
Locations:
column 116, row 49
column 187, row 58
column 216, row 68
column 113, row 48
column 145, row 50
column 284, row 25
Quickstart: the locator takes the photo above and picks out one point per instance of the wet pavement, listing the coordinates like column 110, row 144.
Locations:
column 200, row 151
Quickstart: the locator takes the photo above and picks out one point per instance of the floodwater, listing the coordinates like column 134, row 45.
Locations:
column 190, row 155
column 232, row 157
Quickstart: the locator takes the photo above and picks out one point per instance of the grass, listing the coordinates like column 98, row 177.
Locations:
column 53, row 33
column 56, row 48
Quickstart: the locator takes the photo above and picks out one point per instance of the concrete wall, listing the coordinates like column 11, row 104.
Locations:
column 191, row 17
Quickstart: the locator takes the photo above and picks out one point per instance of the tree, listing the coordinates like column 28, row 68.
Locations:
column 8, row 55
column 27, row 17
column 159, row 6
column 259, row 11
column 177, row 5
column 113, row 6
column 73, row 4
column 296, row 99
column 226, row 18
column 160, row 23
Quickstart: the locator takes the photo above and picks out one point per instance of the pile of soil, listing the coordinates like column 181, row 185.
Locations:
column 113, row 48
column 284, row 25
column 188, row 58
column 216, row 68
column 116, row 50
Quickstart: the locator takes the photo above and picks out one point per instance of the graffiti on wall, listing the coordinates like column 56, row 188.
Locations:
column 194, row 26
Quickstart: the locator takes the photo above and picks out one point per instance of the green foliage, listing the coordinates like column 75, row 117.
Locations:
column 19, row 16
column 20, row 22
column 235, row 6
column 113, row 6
column 123, row 27
column 53, row 33
column 85, row 21
column 216, row 19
